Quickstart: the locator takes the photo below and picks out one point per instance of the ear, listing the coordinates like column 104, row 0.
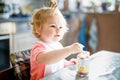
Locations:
column 39, row 29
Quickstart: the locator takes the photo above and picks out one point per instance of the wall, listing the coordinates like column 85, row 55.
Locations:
column 23, row 38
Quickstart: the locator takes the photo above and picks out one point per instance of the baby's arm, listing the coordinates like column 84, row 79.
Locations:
column 59, row 54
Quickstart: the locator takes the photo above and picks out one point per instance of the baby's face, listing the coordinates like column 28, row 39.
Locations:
column 53, row 30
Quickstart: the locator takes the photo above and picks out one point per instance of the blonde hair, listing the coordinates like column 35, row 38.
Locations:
column 40, row 15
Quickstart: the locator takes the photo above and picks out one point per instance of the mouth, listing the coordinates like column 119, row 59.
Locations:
column 57, row 35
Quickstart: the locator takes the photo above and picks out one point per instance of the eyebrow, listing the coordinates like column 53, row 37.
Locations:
column 53, row 24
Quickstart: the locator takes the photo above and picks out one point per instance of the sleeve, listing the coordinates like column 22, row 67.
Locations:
column 37, row 49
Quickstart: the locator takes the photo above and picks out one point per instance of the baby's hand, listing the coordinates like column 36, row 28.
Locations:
column 83, row 55
column 72, row 61
column 76, row 48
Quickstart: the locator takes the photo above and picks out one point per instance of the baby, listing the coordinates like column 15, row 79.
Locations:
column 48, row 55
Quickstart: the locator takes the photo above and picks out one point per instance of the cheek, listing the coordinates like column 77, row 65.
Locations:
column 49, row 33
column 46, row 36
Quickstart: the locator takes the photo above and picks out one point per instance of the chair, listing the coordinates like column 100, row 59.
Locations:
column 21, row 64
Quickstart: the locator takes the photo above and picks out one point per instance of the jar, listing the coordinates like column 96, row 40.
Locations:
column 82, row 65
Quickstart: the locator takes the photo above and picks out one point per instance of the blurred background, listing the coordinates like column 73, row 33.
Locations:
column 93, row 23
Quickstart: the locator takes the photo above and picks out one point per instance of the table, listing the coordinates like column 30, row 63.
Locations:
column 104, row 65
column 68, row 73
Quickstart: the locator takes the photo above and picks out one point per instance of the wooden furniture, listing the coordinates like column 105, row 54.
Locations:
column 109, row 31
column 7, row 74
column 21, row 67
column 21, row 64
column 108, row 27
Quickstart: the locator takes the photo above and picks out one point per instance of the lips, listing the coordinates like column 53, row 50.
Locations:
column 57, row 35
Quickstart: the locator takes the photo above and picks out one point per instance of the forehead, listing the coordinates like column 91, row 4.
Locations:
column 57, row 15
column 57, row 20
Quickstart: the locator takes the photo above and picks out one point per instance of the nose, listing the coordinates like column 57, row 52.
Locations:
column 58, row 30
